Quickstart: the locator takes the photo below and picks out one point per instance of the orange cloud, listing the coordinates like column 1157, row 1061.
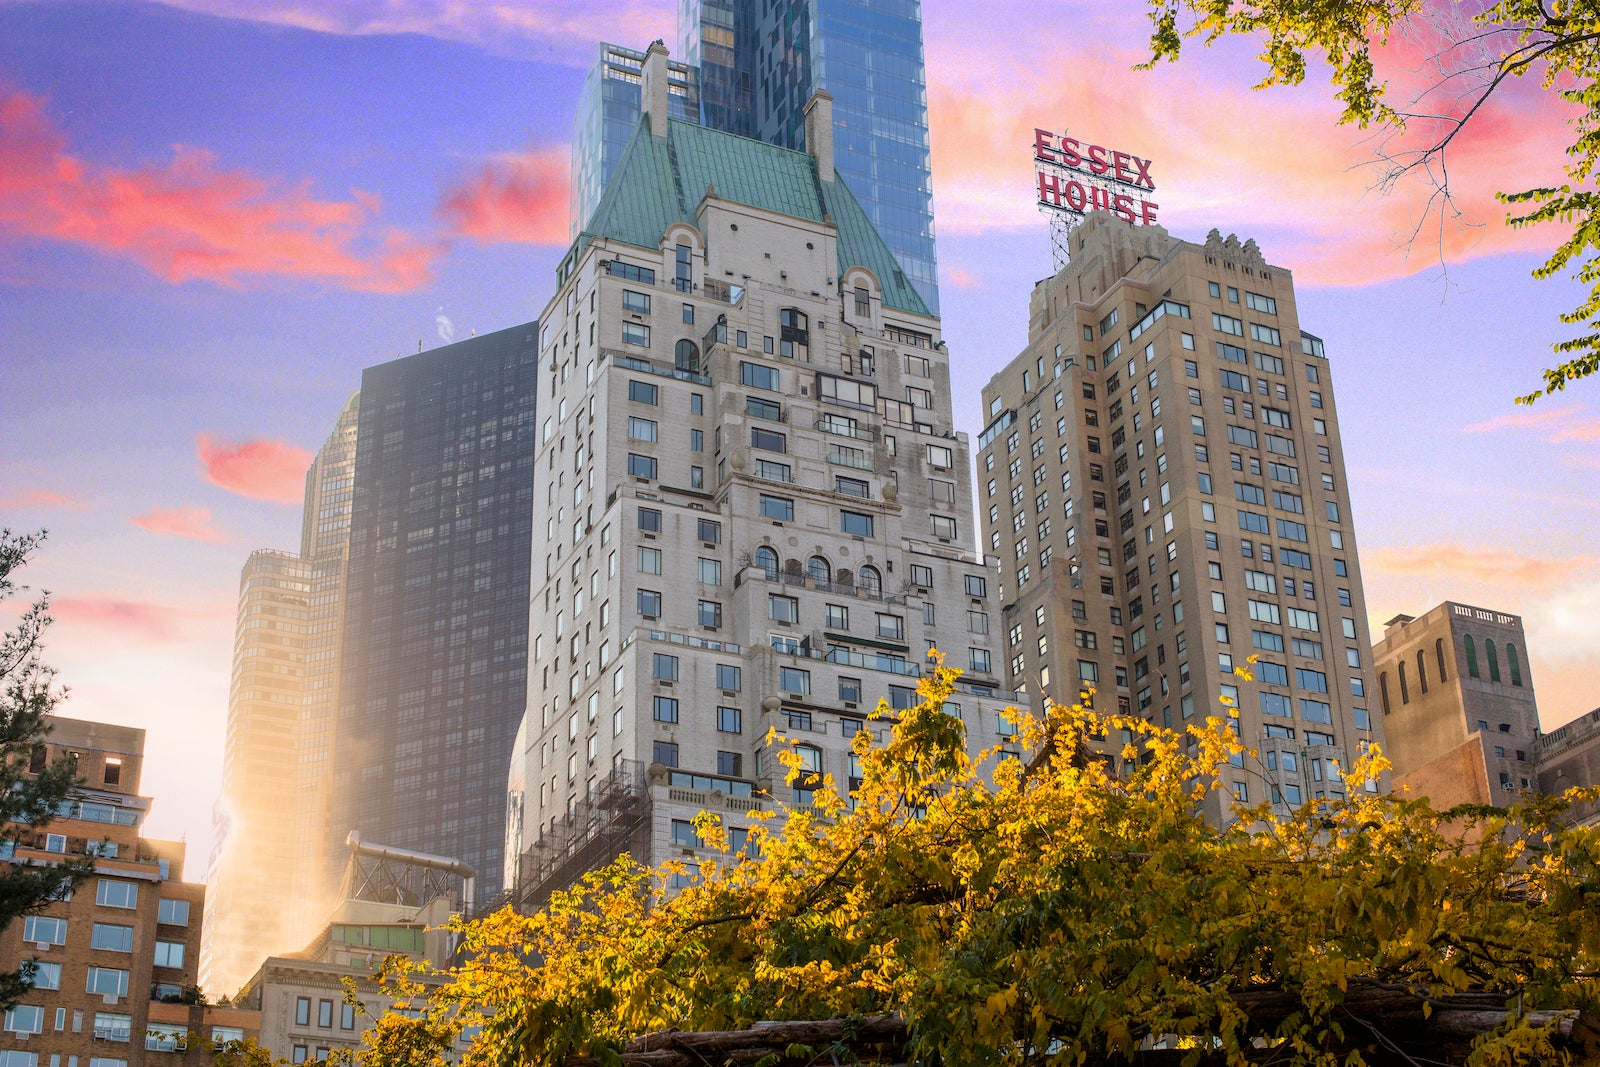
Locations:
column 132, row 619
column 260, row 469
column 192, row 523
column 1271, row 164
column 191, row 219
column 518, row 197
column 39, row 498
column 1490, row 566
column 1556, row 425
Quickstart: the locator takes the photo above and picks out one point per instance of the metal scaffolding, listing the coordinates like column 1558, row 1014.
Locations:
column 614, row 818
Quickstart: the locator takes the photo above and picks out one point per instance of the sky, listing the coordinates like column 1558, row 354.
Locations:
column 215, row 213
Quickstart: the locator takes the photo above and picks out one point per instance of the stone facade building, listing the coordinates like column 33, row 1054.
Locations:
column 1162, row 477
column 755, row 506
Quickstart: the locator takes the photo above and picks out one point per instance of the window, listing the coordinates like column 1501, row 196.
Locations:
column 891, row 626
column 1227, row 324
column 1512, row 664
column 643, row 392
column 110, row 893
column 664, row 667
column 111, row 937
column 642, row 429
column 636, row 333
column 758, row 376
column 767, row 440
column 855, row 523
column 347, row 1021
column 107, row 981
column 1493, row 661
column 325, row 1013
column 641, row 466
column 1257, row 302
column 730, row 720
column 664, row 753
column 639, row 302
column 45, row 976
column 649, row 560
column 665, row 709
column 44, row 930
column 649, row 603
column 783, row 608
column 25, row 1019
column 943, row 526
column 709, row 613
column 777, row 507
column 1472, row 655
column 1267, row 335
column 855, row 487
column 794, row 680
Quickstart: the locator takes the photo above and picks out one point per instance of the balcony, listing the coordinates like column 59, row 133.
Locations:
column 846, row 459
column 841, row 427
column 821, row 585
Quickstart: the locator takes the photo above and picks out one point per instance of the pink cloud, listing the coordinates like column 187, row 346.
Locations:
column 191, row 219
column 39, row 498
column 518, row 197
column 1271, row 164
column 959, row 277
column 141, row 620
column 259, row 469
column 192, row 523
column 1560, row 425
column 1490, row 566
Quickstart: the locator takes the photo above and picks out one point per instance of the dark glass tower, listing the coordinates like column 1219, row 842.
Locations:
column 760, row 63
column 435, row 637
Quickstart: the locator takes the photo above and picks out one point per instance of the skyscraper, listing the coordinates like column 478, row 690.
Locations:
column 757, row 507
column 608, row 111
column 757, row 67
column 869, row 57
column 1163, row 479
column 434, row 636
column 281, row 700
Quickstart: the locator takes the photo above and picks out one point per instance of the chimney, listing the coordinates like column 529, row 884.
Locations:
column 653, row 87
column 819, row 132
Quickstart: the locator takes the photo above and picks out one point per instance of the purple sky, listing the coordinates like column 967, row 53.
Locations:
column 214, row 213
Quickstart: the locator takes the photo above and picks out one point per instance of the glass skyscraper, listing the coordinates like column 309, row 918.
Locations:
column 435, row 636
column 608, row 111
column 753, row 67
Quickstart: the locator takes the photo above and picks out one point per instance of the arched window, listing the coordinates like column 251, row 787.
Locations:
column 1383, row 690
column 870, row 580
column 767, row 560
column 686, row 356
column 1472, row 655
column 1438, row 651
column 1405, row 693
column 1494, row 662
column 1422, row 670
column 1513, row 664
column 818, row 569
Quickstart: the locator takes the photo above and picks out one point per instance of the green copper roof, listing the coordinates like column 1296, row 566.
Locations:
column 661, row 180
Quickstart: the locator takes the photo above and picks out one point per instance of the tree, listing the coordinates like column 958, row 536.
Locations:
column 995, row 911
column 28, row 798
column 1501, row 44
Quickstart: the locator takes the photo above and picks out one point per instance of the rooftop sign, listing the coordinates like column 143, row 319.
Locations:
column 1075, row 178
